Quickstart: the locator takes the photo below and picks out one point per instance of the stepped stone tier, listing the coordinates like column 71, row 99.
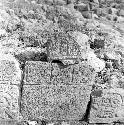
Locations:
column 107, row 106
column 55, row 93
column 10, row 79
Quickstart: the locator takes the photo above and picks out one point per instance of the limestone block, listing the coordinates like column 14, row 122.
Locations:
column 10, row 72
column 37, row 72
column 9, row 102
column 54, row 102
column 43, row 73
column 64, row 48
column 107, row 106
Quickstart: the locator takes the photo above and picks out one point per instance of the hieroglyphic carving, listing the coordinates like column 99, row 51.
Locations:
column 37, row 72
column 64, row 47
column 105, row 108
column 51, row 73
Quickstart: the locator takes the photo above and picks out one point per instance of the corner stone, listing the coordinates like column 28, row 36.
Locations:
column 107, row 106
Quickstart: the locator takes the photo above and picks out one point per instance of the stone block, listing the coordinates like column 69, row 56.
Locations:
column 37, row 72
column 64, row 48
column 107, row 106
column 10, row 72
column 62, row 102
column 9, row 102
column 43, row 73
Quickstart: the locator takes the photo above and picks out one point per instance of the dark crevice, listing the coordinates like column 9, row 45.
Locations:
column 60, row 64
column 23, row 57
column 21, row 84
column 87, row 113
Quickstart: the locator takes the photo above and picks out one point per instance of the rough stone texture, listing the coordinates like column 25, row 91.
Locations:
column 37, row 73
column 54, row 102
column 8, row 122
column 9, row 70
column 9, row 103
column 107, row 106
column 64, row 98
column 64, row 48
column 10, row 79
column 44, row 73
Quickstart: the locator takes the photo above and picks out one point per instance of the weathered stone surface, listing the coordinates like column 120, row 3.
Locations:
column 107, row 106
column 87, row 14
column 95, row 62
column 121, row 12
column 54, row 103
column 37, row 72
column 72, row 75
column 10, row 72
column 44, row 73
column 9, row 102
column 62, row 95
column 64, row 48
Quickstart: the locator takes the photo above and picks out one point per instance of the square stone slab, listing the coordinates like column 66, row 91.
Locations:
column 52, row 102
column 107, row 106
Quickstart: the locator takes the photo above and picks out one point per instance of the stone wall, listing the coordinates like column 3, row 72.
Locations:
column 46, row 90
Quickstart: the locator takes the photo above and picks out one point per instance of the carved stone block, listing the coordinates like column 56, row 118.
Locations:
column 37, row 72
column 43, row 73
column 54, row 102
column 107, row 106
column 64, row 48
